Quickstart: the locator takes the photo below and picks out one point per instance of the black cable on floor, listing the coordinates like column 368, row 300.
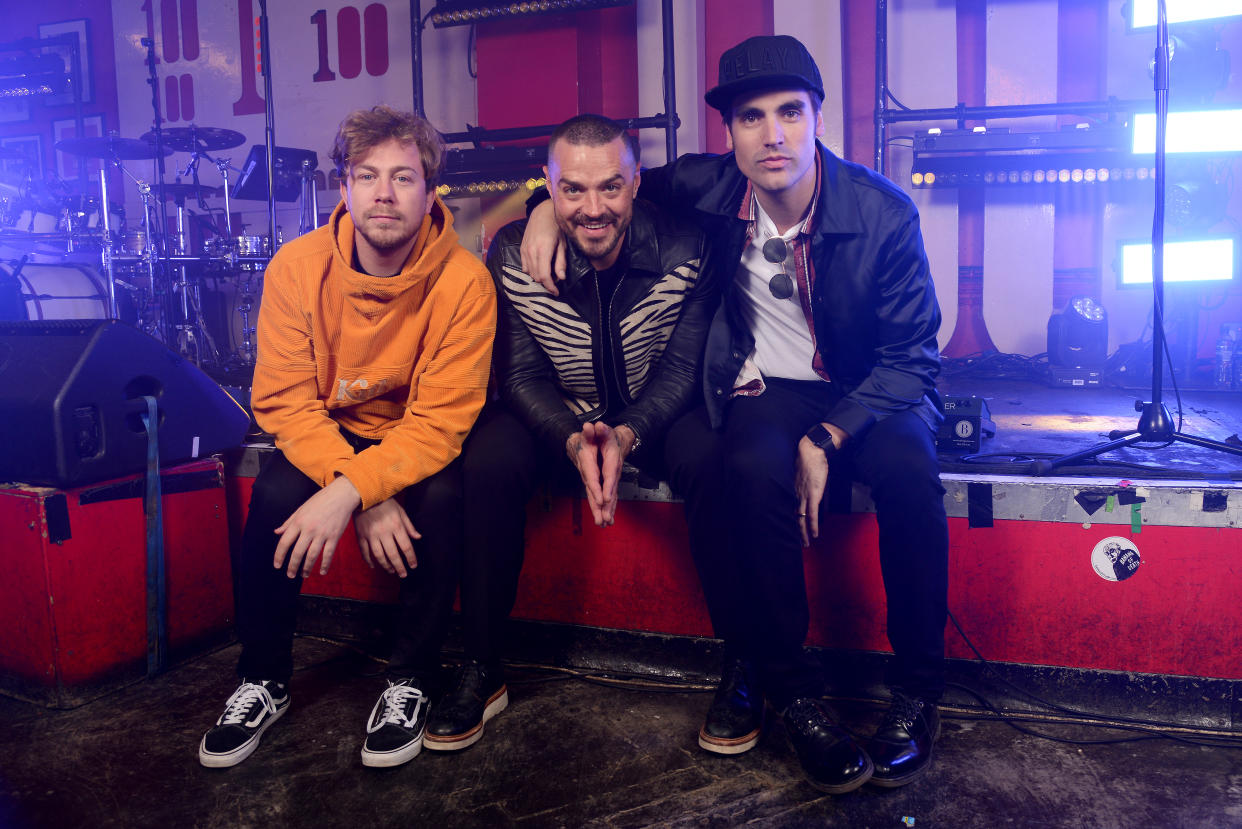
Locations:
column 1151, row 729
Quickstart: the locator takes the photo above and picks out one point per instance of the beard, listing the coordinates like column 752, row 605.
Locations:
column 388, row 239
column 592, row 247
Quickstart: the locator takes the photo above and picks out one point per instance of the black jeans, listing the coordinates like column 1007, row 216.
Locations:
column 267, row 599
column 502, row 467
column 738, row 483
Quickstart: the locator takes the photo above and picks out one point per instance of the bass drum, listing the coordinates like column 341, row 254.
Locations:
column 231, row 311
column 55, row 292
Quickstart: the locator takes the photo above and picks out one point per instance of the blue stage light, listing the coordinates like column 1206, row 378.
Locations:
column 1206, row 131
column 1200, row 260
column 1143, row 12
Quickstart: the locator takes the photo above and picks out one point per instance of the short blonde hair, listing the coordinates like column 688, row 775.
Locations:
column 364, row 129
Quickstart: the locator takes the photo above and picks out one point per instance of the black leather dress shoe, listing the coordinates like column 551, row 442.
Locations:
column 736, row 717
column 833, row 762
column 476, row 694
column 902, row 747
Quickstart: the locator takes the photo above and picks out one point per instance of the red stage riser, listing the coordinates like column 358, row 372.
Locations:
column 74, row 612
column 1023, row 590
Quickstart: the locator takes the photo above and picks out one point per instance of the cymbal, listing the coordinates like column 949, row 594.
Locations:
column 109, row 146
column 191, row 138
column 187, row 190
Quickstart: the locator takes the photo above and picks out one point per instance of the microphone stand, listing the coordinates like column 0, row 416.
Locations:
column 269, row 115
column 1155, row 423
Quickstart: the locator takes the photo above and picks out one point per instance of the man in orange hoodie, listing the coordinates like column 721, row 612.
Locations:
column 375, row 337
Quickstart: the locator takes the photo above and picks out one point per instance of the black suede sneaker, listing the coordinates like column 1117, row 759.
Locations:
column 833, row 762
column 476, row 694
column 903, row 745
column 253, row 707
column 735, row 718
column 395, row 728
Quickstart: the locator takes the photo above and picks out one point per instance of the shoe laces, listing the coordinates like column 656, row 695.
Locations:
column 394, row 701
column 249, row 694
column 805, row 715
column 903, row 712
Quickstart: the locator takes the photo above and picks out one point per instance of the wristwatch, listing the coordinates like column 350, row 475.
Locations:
column 821, row 437
column 638, row 441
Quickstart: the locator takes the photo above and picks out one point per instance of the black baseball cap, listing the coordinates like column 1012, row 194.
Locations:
column 764, row 62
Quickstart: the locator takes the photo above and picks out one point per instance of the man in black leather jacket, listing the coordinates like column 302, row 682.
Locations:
column 822, row 354
column 594, row 374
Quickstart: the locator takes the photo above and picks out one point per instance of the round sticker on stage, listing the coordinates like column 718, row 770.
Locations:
column 1115, row 559
column 964, row 428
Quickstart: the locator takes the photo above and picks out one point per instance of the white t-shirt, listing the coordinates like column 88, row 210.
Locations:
column 783, row 346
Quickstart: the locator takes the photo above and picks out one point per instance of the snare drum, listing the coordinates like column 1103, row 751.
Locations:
column 60, row 292
column 251, row 245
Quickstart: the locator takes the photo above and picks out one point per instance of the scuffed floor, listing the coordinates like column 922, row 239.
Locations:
column 566, row 753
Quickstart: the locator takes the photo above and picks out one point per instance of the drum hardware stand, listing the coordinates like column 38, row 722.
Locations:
column 106, row 253
column 308, row 215
column 244, row 307
column 190, row 327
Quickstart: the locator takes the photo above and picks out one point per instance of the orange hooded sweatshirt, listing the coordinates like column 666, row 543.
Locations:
column 401, row 359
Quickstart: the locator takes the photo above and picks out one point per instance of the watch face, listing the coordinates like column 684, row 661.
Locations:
column 820, row 436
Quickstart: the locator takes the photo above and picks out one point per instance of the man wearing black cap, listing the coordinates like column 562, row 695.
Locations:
column 822, row 356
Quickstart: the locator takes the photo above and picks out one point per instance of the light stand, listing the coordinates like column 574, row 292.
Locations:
column 1155, row 424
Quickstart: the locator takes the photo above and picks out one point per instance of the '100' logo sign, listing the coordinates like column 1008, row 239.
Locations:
column 361, row 42
column 178, row 40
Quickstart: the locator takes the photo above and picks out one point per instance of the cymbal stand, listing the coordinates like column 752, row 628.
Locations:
column 106, row 253
column 192, row 332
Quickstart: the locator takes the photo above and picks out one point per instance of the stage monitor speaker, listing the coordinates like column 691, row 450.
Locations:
column 71, row 403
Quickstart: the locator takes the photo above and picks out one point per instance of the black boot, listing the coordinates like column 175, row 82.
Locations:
column 833, row 762
column 902, row 746
column 736, row 717
column 476, row 694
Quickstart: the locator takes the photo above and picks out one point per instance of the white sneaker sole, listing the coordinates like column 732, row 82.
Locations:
column 232, row 758
column 389, row 759
column 457, row 742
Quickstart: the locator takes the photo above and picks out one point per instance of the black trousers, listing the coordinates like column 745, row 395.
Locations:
column 502, row 467
column 741, row 505
column 267, row 599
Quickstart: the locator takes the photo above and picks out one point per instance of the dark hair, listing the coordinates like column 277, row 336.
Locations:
column 364, row 129
column 593, row 131
column 817, row 103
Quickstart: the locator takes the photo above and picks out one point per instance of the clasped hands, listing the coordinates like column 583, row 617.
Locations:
column 597, row 452
column 385, row 532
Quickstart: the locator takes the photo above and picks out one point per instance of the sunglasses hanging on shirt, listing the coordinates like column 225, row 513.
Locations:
column 776, row 251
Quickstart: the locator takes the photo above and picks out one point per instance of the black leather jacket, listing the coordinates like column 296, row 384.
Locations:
column 873, row 301
column 549, row 350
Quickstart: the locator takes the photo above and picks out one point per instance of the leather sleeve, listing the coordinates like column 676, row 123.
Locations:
column 525, row 376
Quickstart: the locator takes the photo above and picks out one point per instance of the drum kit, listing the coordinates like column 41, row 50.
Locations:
column 186, row 278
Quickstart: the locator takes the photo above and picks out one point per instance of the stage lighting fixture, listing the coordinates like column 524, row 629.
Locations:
column 1195, row 202
column 1141, row 14
column 467, row 12
column 1197, row 65
column 1205, row 131
column 1189, row 261
column 1078, row 335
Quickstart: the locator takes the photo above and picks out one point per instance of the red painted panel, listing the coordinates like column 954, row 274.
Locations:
column 727, row 23
column 28, row 645
column 858, row 28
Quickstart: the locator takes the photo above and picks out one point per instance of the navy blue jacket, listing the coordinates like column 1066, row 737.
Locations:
column 873, row 302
